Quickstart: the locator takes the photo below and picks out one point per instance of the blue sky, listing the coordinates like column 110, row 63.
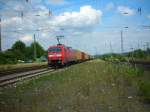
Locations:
column 92, row 26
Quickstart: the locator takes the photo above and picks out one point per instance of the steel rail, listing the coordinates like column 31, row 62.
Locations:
column 20, row 70
column 16, row 77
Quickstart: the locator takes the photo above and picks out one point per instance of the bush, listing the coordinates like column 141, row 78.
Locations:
column 20, row 51
column 144, row 89
column 2, row 58
column 7, row 57
column 113, row 57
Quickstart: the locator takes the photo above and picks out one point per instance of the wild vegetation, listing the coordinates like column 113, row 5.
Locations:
column 19, row 52
column 92, row 86
column 143, row 55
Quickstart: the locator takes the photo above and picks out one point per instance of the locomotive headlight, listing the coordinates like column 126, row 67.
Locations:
column 58, row 55
column 50, row 55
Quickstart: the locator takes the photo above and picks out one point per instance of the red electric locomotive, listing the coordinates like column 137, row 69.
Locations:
column 60, row 55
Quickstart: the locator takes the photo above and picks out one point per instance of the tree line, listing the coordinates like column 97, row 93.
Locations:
column 138, row 54
column 20, row 52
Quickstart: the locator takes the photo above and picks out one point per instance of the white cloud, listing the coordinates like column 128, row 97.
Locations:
column 26, row 38
column 11, row 20
column 72, row 22
column 87, row 16
column 110, row 6
column 148, row 16
column 126, row 11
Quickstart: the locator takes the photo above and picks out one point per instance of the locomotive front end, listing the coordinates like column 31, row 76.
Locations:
column 55, row 56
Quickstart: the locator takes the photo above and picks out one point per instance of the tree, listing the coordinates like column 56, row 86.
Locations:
column 19, row 50
column 138, row 54
column 29, row 53
column 39, row 50
column 7, row 57
column 19, row 45
column 2, row 58
column 10, row 57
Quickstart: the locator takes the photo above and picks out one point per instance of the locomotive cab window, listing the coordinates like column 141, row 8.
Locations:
column 55, row 50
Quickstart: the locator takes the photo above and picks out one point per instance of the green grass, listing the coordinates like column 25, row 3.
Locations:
column 144, row 87
column 92, row 86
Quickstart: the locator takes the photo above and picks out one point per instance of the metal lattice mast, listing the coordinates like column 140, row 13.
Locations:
column 0, row 37
column 122, row 49
column 35, row 55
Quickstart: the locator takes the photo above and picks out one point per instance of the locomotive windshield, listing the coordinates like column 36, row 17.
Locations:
column 55, row 49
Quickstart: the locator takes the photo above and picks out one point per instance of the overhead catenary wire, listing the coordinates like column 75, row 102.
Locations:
column 33, row 8
column 22, row 14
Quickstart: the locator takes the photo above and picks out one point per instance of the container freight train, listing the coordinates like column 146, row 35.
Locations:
column 60, row 55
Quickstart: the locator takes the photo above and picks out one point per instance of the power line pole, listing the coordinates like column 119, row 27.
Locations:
column 111, row 49
column 147, row 48
column 35, row 48
column 147, row 44
column 122, row 49
column 138, row 46
column 132, row 51
column 0, row 37
column 144, row 47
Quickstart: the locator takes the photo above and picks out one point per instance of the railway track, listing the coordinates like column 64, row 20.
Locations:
column 16, row 77
column 20, row 70
column 144, row 64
